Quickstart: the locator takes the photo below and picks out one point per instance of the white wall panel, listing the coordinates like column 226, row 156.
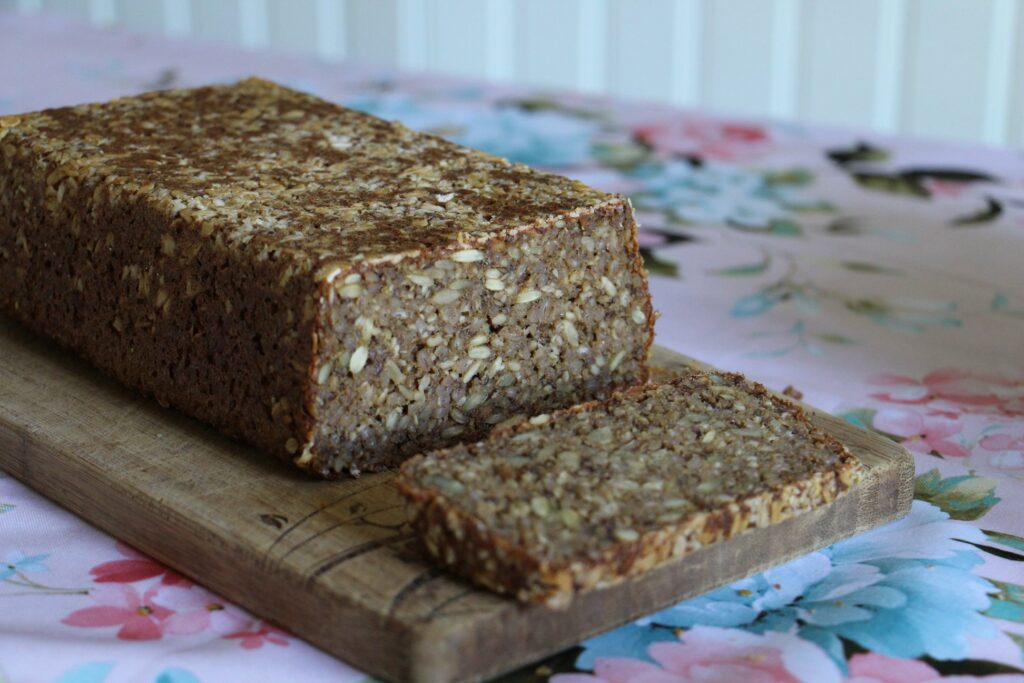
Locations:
column 219, row 20
column 547, row 38
column 146, row 15
column 947, row 53
column 293, row 26
column 840, row 42
column 640, row 48
column 372, row 31
column 946, row 68
column 456, row 36
column 738, row 55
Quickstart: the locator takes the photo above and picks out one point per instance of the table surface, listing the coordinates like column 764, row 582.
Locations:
column 881, row 276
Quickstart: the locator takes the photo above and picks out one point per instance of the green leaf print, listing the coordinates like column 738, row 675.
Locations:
column 6, row 507
column 1008, row 603
column 862, row 417
column 745, row 269
column 992, row 211
column 1008, row 540
column 659, row 266
column 966, row 497
column 867, row 267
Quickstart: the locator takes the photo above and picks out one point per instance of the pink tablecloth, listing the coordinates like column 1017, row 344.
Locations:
column 884, row 277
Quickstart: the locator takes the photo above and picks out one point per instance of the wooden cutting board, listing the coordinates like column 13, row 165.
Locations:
column 333, row 561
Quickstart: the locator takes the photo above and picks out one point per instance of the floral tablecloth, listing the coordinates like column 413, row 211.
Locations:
column 883, row 277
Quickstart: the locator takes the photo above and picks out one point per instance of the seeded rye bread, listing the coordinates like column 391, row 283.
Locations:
column 586, row 497
column 329, row 286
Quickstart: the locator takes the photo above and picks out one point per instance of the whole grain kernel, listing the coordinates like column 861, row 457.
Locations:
column 538, row 420
column 571, row 334
column 420, row 279
column 323, row 373
column 468, row 256
column 358, row 360
column 479, row 340
column 608, row 286
column 499, row 319
column 540, row 506
column 709, row 436
column 527, row 296
column 458, row 285
column 471, row 371
column 436, row 340
column 638, row 316
column 350, row 291
column 479, row 352
column 444, row 296
column 494, row 284
column 626, row 535
column 351, row 278
column 616, row 360
column 570, row 518
column 492, row 274
column 291, row 445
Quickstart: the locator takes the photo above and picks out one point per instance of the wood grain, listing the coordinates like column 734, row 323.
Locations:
column 334, row 561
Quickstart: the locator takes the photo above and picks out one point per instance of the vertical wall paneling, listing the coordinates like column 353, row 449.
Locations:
column 946, row 60
column 294, row 26
column 839, row 43
column 999, row 85
column 634, row 71
column 76, row 8
column 738, row 56
column 890, row 65
column 411, row 30
column 330, row 32
column 1015, row 114
column 500, row 31
column 687, row 52
column 217, row 20
column 141, row 15
column 102, row 12
column 177, row 17
column 591, row 45
column 785, row 65
column 936, row 68
column 372, row 30
column 456, row 37
column 546, row 39
column 254, row 23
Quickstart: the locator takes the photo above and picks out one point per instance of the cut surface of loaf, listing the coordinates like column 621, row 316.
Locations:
column 586, row 497
column 329, row 286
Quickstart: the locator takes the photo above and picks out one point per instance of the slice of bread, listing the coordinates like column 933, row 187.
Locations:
column 586, row 497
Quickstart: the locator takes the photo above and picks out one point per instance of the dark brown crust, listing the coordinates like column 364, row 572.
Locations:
column 465, row 545
column 208, row 309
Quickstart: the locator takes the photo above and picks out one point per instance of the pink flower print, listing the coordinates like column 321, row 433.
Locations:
column 924, row 434
column 1005, row 451
column 969, row 391
column 137, row 567
column 196, row 610
column 255, row 638
column 871, row 667
column 706, row 654
column 706, row 138
column 904, row 390
column 121, row 605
